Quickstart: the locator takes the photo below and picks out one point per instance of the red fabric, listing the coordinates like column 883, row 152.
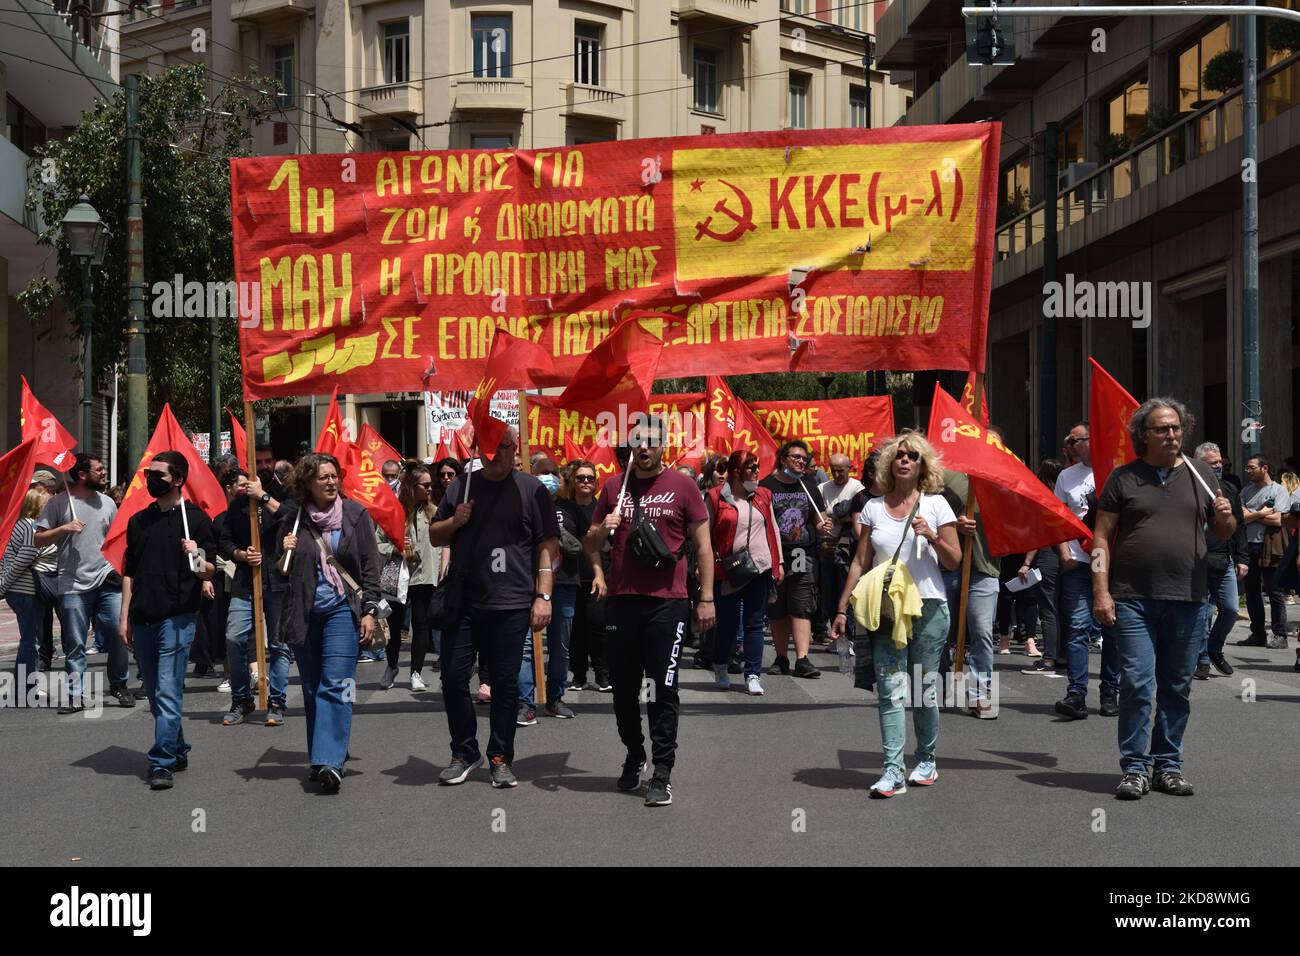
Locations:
column 16, row 469
column 54, row 443
column 722, row 529
column 1109, row 409
column 621, row 369
column 201, row 487
column 1020, row 512
column 462, row 441
column 603, row 457
column 968, row 400
column 730, row 424
column 374, row 445
column 239, row 441
column 512, row 362
column 360, row 479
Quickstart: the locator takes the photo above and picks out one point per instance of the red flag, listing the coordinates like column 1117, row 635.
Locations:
column 968, row 400
column 512, row 363
column 602, row 456
column 730, row 424
column 443, row 451
column 238, row 440
column 373, row 444
column 16, row 469
column 333, row 438
column 54, row 443
column 1020, row 512
column 360, row 479
column 462, row 441
column 1109, row 409
column 621, row 369
column 201, row 487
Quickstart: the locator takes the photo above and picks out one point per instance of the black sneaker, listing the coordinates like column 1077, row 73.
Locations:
column 160, row 779
column 140, row 693
column 1109, row 706
column 1172, row 783
column 1253, row 642
column 181, row 765
column 1202, row 672
column 502, row 776
column 122, row 696
column 330, row 780
column 804, row 668
column 603, row 685
column 1221, row 664
column 239, row 710
column 1072, row 706
column 527, row 717
column 633, row 768
column 457, row 771
column 736, row 665
column 1038, row 667
column 1134, row 786
column 660, row 791
column 780, row 666
column 558, row 708
column 578, row 683
column 72, row 707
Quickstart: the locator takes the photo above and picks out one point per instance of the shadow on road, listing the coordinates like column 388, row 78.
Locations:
column 414, row 773
column 117, row 762
column 859, row 769
column 1101, row 783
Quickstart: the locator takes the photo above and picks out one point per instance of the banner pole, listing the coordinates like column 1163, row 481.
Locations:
column 959, row 660
column 255, row 537
column 539, row 667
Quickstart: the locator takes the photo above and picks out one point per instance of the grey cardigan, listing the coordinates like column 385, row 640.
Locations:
column 357, row 554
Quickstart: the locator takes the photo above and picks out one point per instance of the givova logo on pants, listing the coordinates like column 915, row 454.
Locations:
column 671, row 676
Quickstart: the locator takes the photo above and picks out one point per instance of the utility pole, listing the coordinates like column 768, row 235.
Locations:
column 1047, row 361
column 1251, row 404
column 214, row 391
column 137, row 381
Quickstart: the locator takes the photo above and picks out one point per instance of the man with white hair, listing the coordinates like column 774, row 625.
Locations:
column 1227, row 562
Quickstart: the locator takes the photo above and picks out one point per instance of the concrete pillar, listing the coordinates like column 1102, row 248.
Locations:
column 1179, row 356
column 1275, row 359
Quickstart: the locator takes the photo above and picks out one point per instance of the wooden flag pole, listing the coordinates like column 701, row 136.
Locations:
column 968, row 542
column 255, row 535
column 539, row 667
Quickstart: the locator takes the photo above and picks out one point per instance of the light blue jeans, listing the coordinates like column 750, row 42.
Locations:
column 893, row 666
column 981, row 614
column 1222, row 594
column 564, row 601
column 163, row 651
column 239, row 633
column 327, row 664
column 75, row 610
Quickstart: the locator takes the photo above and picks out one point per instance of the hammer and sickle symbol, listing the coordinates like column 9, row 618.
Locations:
column 744, row 221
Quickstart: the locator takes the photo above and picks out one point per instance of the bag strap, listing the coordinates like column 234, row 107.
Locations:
column 333, row 562
column 915, row 508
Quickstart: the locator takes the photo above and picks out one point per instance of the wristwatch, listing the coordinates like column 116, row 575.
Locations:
column 265, row 497
column 544, row 597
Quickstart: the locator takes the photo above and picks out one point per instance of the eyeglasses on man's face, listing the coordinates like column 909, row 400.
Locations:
column 1165, row 429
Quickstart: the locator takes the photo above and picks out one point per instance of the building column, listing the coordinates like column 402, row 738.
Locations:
column 1275, row 360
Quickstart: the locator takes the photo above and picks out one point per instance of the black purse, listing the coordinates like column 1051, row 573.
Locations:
column 739, row 567
column 645, row 543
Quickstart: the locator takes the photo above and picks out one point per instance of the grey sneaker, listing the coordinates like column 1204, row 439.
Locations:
column 1277, row 643
column 239, row 711
column 1134, row 786
column 557, row 708
column 890, row 784
column 526, row 717
column 458, row 770
column 389, row 678
column 502, row 778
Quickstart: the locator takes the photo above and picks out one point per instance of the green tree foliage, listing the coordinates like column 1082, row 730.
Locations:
column 188, row 134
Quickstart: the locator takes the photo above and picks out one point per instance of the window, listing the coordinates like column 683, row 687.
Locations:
column 858, row 116
column 397, row 52
column 24, row 130
column 490, row 35
column 848, row 14
column 1192, row 94
column 282, row 66
column 586, row 53
column 1015, row 186
column 489, row 141
column 799, row 100
column 796, row 6
column 706, row 80
column 1069, row 148
column 1126, row 118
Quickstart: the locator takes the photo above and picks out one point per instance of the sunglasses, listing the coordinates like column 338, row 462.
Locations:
column 1072, row 440
column 447, row 475
column 797, row 457
column 909, row 455
column 752, row 467
column 584, row 478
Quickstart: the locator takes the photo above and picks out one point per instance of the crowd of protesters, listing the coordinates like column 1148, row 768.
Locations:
column 616, row 580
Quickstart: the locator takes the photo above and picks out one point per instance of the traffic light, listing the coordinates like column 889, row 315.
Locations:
column 989, row 40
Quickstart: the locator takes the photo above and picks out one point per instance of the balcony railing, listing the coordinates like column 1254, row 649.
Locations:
column 1190, row 138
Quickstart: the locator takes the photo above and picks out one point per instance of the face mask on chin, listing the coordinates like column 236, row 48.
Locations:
column 550, row 482
column 751, row 486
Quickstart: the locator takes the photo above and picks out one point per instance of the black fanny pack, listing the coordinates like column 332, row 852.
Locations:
column 645, row 543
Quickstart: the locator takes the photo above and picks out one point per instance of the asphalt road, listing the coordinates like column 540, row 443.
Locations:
column 780, row 779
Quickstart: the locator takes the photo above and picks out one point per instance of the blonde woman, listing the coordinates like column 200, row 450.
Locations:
column 912, row 517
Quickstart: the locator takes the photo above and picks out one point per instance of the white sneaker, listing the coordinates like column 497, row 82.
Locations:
column 720, row 676
column 925, row 774
column 417, row 682
column 389, row 678
column 890, row 784
column 753, row 686
column 223, row 687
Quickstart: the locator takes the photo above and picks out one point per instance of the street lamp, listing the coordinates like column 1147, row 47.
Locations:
column 87, row 239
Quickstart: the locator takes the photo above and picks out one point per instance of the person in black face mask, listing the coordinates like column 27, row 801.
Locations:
column 161, row 584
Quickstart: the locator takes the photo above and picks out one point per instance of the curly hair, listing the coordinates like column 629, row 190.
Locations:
column 304, row 470
column 1137, row 423
column 930, row 477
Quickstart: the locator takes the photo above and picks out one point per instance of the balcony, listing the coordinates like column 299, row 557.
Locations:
column 394, row 99
column 1069, row 35
column 499, row 94
column 742, row 13
column 594, row 102
column 267, row 11
column 910, row 31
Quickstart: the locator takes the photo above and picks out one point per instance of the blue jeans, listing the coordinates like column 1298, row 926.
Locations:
column 1158, row 643
column 239, row 631
column 893, row 665
column 499, row 637
column 1222, row 594
column 981, row 610
column 1081, row 629
column 327, row 665
column 104, row 605
column 30, row 611
column 564, row 600
column 742, row 613
column 163, row 651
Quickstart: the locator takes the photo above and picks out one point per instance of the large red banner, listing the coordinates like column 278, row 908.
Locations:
column 369, row 271
column 839, row 426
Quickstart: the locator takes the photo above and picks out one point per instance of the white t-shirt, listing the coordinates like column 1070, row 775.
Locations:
column 1073, row 485
column 918, row 554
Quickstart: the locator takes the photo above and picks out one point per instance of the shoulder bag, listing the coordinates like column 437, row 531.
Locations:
column 351, row 589
column 739, row 567
column 886, row 605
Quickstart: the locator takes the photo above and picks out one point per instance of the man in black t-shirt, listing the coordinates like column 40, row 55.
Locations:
column 1147, row 589
column 161, row 589
column 800, row 517
column 501, row 527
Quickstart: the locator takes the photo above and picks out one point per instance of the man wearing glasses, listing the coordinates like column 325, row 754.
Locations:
column 1076, row 487
column 1149, row 587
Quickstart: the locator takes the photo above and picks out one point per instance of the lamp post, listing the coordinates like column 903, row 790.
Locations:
column 87, row 237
